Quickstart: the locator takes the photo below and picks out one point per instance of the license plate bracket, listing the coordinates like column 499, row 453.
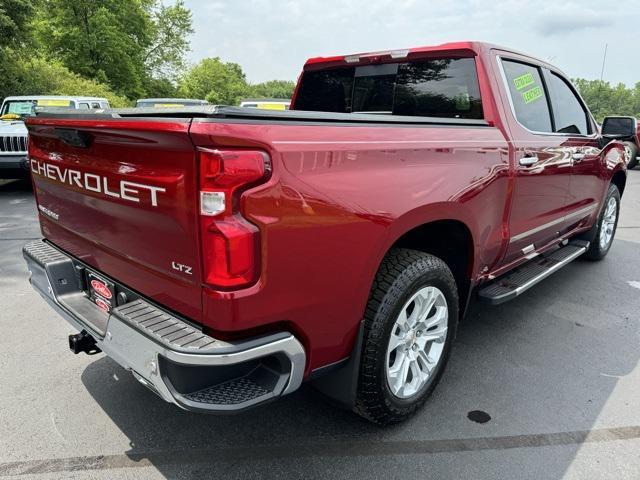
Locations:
column 101, row 291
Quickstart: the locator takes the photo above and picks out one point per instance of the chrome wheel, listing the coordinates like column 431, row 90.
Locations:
column 417, row 342
column 608, row 223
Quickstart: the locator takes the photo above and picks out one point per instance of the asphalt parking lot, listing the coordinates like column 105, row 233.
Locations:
column 556, row 370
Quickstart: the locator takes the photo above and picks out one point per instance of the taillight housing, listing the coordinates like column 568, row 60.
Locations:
column 230, row 244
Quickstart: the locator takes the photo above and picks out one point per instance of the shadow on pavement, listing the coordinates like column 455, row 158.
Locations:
column 543, row 366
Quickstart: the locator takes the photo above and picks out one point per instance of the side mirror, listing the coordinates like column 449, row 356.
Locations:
column 619, row 127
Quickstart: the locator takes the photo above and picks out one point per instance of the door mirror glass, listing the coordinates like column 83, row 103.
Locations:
column 619, row 127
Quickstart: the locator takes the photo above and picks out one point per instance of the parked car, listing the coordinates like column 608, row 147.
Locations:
column 266, row 103
column 226, row 255
column 13, row 133
column 631, row 143
column 169, row 102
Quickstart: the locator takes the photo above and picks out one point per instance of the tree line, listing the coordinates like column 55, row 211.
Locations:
column 129, row 49
column 119, row 49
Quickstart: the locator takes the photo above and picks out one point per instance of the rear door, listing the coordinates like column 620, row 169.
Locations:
column 120, row 194
column 542, row 161
column 573, row 123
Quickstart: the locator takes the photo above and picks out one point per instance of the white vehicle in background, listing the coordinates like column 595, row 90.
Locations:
column 266, row 103
column 169, row 102
column 13, row 133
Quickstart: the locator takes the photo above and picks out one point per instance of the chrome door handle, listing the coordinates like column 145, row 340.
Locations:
column 578, row 156
column 528, row 161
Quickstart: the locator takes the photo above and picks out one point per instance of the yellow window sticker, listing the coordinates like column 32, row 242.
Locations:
column 532, row 95
column 523, row 81
column 168, row 105
column 53, row 103
column 272, row 106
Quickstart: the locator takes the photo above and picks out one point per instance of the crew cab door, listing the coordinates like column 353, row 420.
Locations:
column 543, row 161
column 573, row 122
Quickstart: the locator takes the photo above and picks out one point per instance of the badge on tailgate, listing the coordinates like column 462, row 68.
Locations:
column 101, row 291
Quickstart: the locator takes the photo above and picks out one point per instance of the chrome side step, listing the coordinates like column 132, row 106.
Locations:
column 523, row 278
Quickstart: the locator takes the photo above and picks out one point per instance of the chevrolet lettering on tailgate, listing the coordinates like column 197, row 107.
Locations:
column 123, row 189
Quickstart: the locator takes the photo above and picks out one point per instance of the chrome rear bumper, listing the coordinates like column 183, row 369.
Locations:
column 173, row 358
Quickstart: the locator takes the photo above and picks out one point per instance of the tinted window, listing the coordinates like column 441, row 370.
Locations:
column 431, row 88
column 373, row 88
column 528, row 96
column 568, row 114
column 326, row 90
column 439, row 88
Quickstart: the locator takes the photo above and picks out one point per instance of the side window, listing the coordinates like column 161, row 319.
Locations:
column 95, row 104
column 528, row 96
column 568, row 112
column 83, row 106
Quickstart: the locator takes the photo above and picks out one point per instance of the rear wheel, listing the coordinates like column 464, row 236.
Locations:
column 631, row 155
column 605, row 228
column 410, row 324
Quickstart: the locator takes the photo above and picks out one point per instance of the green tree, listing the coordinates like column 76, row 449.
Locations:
column 124, row 43
column 14, row 16
column 273, row 89
column 170, row 30
column 216, row 81
column 30, row 75
column 605, row 99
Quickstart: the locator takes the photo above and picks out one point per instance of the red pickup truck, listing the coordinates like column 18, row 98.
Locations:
column 224, row 255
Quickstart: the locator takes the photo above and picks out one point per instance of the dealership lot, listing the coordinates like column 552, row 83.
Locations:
column 556, row 370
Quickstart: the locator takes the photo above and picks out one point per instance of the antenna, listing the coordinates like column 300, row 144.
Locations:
column 604, row 59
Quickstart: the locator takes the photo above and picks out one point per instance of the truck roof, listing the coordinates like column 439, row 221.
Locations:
column 54, row 97
column 169, row 99
column 399, row 53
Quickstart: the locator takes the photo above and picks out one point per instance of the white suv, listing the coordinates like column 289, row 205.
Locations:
column 13, row 133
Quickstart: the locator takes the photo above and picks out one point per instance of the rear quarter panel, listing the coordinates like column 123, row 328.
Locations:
column 339, row 197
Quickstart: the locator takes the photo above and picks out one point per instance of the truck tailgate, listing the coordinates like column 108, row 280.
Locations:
column 121, row 196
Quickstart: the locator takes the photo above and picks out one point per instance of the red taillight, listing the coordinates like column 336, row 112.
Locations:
column 230, row 244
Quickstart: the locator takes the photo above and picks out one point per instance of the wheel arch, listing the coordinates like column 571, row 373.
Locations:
column 619, row 179
column 444, row 230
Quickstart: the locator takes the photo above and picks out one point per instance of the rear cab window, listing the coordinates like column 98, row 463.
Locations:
column 528, row 96
column 444, row 87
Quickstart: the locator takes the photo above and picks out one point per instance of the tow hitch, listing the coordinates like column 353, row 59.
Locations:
column 83, row 342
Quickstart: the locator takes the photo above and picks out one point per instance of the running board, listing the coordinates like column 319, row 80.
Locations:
column 523, row 278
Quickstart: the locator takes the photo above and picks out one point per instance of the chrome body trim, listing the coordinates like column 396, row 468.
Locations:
column 583, row 211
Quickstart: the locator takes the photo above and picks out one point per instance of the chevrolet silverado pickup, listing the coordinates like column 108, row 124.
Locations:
column 227, row 255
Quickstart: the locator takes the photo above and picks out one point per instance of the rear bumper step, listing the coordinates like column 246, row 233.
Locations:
column 173, row 358
column 523, row 278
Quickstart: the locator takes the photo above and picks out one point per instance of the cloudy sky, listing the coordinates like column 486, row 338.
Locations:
column 272, row 38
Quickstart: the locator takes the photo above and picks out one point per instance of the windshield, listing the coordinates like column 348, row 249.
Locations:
column 22, row 107
column 27, row 107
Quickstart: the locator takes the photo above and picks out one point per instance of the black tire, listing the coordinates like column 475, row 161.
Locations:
column 596, row 250
column 402, row 273
column 633, row 155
